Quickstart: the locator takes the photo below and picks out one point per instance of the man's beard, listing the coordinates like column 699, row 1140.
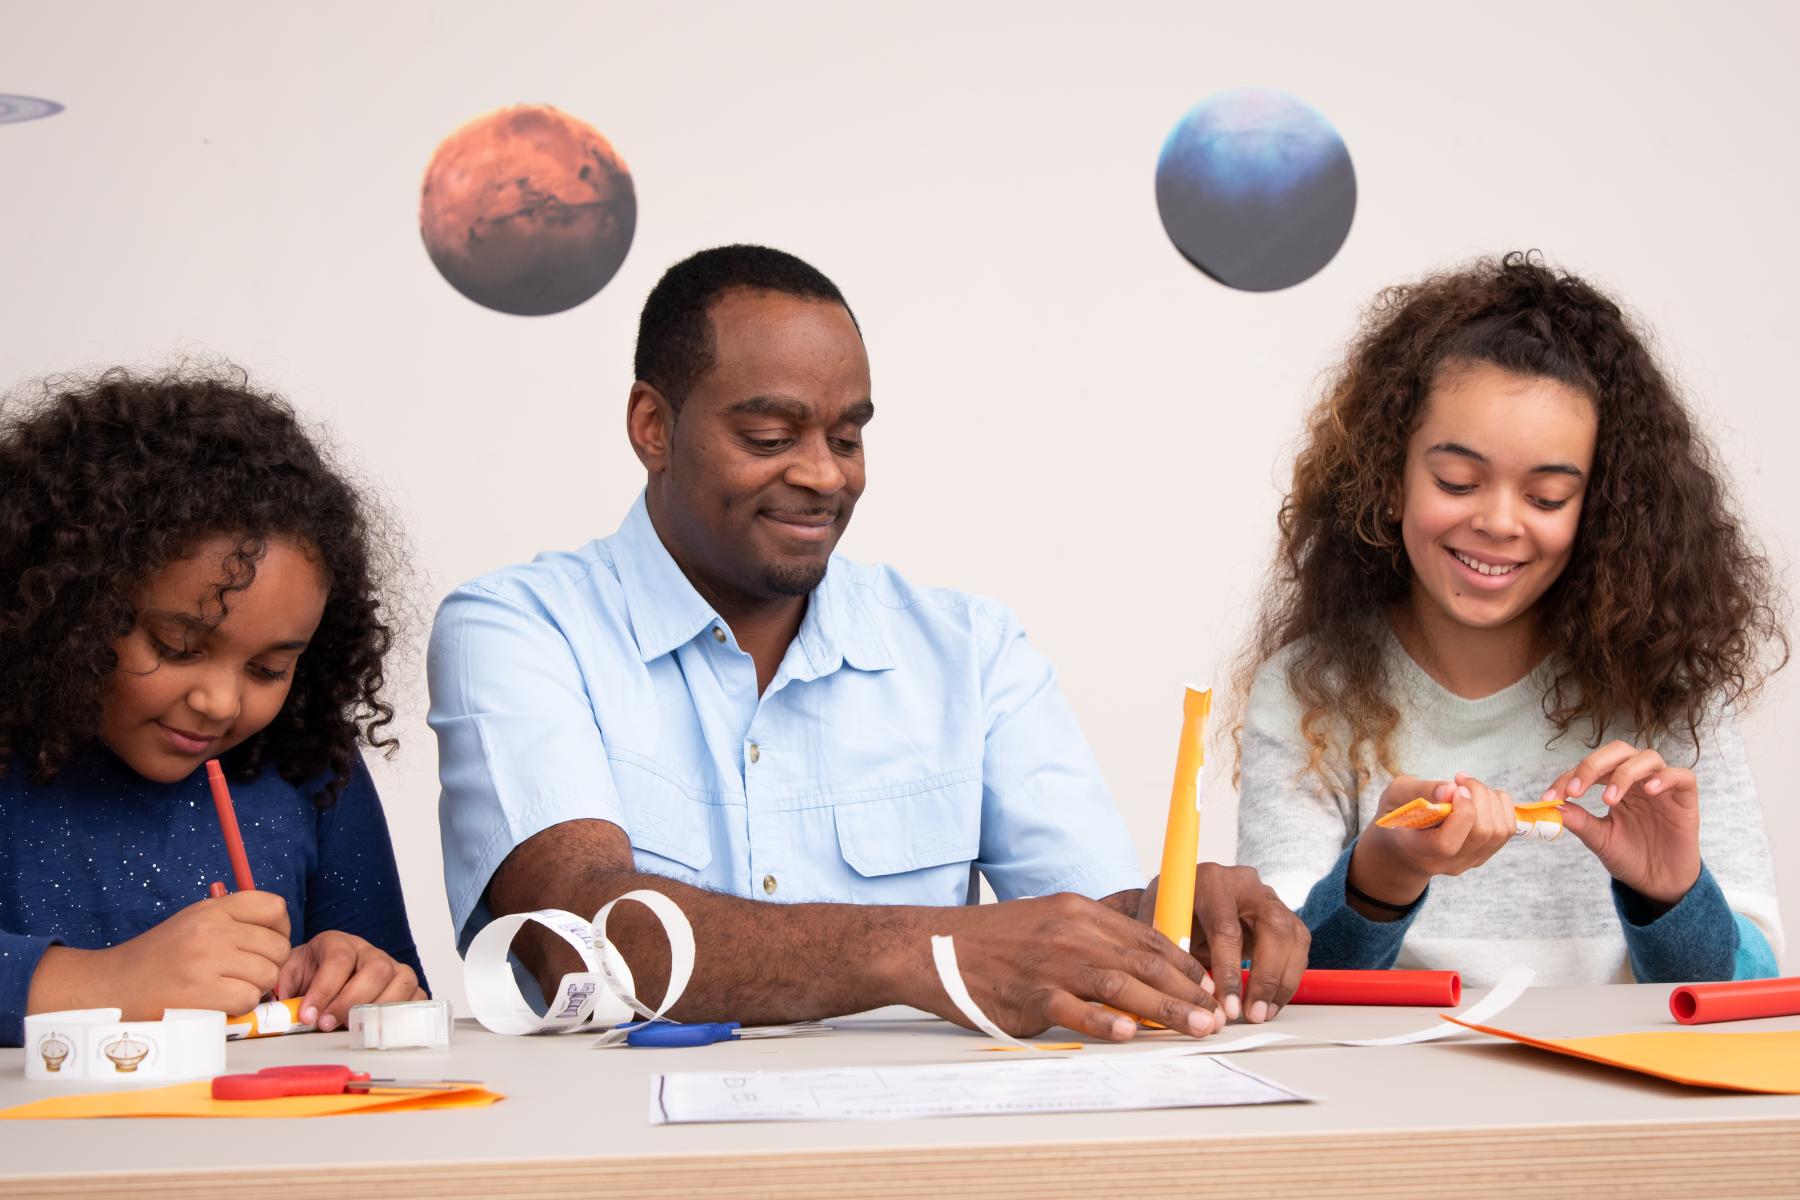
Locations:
column 795, row 580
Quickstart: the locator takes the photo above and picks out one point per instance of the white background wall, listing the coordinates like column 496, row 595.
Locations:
column 1072, row 418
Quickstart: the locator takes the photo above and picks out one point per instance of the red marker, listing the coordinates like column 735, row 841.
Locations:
column 234, row 841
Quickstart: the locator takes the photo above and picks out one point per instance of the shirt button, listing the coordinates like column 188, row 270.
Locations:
column 718, row 634
column 769, row 885
column 755, row 753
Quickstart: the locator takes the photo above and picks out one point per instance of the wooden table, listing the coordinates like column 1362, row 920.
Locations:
column 1471, row 1116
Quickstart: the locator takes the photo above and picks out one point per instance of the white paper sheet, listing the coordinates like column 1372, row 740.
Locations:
column 1114, row 1083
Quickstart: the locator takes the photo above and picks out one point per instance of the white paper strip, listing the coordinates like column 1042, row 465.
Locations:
column 601, row 996
column 943, row 957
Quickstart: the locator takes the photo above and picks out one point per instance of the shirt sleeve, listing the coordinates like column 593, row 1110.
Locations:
column 1734, row 841
column 1344, row 939
column 1048, row 823
column 19, row 955
column 519, row 746
column 355, row 888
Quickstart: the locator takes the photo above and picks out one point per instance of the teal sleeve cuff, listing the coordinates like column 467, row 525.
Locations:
column 1695, row 940
column 1344, row 939
column 1755, row 957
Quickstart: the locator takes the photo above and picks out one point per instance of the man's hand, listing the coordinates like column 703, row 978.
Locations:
column 336, row 971
column 1238, row 916
column 1031, row 964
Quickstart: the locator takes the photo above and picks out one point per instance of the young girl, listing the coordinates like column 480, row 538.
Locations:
column 1508, row 572
column 184, row 577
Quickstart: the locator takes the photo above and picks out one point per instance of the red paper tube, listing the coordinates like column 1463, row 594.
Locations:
column 1440, row 989
column 1734, row 1000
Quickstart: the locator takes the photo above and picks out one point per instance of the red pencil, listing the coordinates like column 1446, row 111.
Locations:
column 234, row 841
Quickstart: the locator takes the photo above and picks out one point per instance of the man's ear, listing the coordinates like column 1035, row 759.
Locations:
column 650, row 424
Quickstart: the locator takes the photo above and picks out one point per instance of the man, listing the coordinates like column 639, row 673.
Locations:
column 810, row 756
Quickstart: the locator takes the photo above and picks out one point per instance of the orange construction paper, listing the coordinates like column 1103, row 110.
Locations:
column 195, row 1100
column 1763, row 1061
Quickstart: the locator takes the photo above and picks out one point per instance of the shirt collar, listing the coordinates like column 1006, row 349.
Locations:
column 667, row 613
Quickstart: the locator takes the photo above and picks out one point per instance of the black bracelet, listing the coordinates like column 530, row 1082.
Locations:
column 1356, row 893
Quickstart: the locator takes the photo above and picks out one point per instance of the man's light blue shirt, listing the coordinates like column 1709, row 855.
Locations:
column 909, row 737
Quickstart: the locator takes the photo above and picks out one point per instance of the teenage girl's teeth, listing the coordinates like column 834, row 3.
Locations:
column 1485, row 568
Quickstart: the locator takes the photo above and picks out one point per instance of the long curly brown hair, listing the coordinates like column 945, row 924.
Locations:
column 107, row 479
column 1666, row 607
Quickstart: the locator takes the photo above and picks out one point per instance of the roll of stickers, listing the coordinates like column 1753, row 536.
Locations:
column 1735, row 1000
column 94, row 1048
column 599, row 997
column 269, row 1019
column 1436, row 989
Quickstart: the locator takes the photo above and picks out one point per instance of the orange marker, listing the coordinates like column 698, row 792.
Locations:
column 1181, row 842
column 234, row 841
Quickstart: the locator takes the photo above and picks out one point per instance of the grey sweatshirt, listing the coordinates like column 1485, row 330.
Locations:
column 1548, row 904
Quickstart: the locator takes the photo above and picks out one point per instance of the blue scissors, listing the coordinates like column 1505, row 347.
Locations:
column 664, row 1034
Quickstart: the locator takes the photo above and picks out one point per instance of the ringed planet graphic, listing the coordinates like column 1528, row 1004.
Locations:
column 14, row 109
column 527, row 210
column 1256, row 188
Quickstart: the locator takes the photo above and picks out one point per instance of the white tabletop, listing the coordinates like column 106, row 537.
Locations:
column 1467, row 1108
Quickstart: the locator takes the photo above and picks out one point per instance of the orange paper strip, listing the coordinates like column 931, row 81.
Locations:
column 1765, row 1061
column 195, row 1100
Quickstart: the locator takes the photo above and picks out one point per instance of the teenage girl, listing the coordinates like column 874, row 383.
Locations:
column 183, row 577
column 1509, row 572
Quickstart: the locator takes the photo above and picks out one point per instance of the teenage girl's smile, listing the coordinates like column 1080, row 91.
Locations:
column 1491, row 497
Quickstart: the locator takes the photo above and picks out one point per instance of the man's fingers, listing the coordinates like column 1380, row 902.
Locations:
column 1280, row 943
column 1120, row 990
column 1225, row 944
column 1072, row 1012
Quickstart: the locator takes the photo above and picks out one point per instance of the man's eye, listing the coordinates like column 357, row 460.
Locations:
column 768, row 445
column 846, row 445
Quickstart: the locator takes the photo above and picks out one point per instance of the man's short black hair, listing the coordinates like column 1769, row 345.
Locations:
column 675, row 335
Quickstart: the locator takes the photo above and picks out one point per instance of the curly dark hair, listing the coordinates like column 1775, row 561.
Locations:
column 1666, row 606
column 107, row 479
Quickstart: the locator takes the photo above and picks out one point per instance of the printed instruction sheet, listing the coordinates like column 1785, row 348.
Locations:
column 1111, row 1083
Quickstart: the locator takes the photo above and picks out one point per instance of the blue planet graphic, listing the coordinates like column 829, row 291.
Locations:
column 14, row 109
column 1256, row 189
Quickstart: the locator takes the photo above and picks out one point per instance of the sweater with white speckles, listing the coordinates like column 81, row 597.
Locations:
column 101, row 854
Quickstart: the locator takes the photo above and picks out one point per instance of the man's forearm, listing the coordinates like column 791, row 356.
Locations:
column 754, row 962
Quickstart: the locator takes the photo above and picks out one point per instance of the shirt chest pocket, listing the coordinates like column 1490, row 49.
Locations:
column 915, row 848
column 671, row 833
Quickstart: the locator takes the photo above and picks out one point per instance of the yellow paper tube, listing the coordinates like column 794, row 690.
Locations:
column 1181, row 843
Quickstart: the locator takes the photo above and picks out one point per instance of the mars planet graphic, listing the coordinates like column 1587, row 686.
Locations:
column 1255, row 188
column 527, row 210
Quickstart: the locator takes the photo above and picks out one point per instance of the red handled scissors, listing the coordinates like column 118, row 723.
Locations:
column 323, row 1079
